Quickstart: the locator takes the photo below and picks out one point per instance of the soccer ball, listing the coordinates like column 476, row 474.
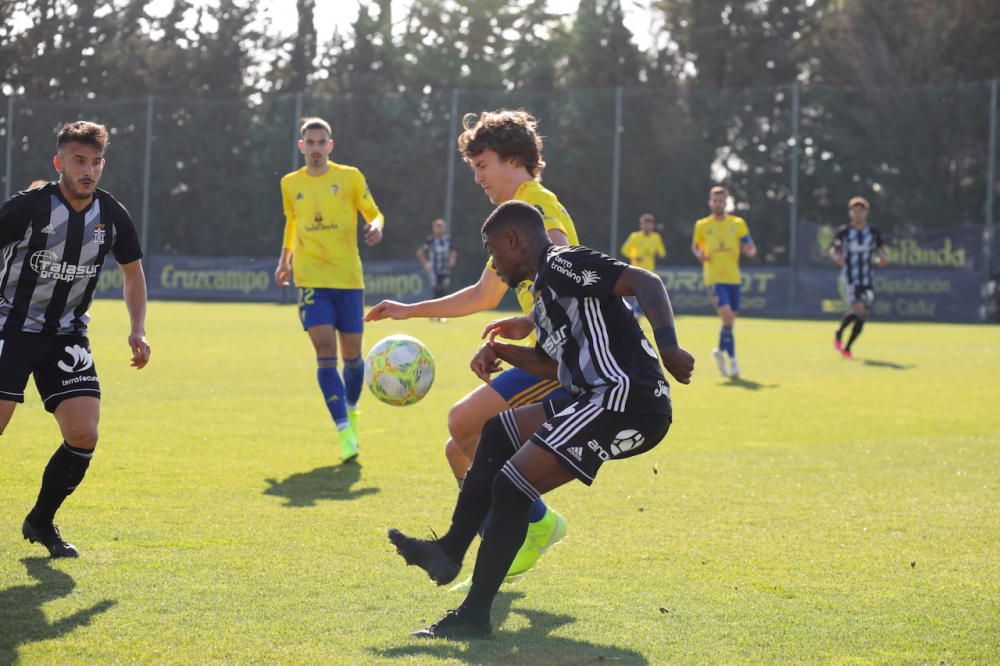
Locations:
column 399, row 370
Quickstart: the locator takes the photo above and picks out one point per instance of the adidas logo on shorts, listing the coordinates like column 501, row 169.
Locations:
column 576, row 452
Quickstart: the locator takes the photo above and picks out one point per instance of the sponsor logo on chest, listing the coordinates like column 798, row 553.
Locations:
column 47, row 265
column 554, row 342
column 584, row 278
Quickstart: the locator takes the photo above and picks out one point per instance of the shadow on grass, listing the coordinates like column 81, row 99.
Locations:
column 323, row 483
column 887, row 364
column 748, row 384
column 533, row 644
column 21, row 617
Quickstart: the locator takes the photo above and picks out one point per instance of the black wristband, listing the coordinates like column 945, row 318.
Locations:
column 666, row 336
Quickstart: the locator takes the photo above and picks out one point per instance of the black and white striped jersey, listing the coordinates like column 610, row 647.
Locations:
column 52, row 258
column 438, row 249
column 593, row 335
column 858, row 247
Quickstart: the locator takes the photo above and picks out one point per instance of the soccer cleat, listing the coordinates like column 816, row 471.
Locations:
column 456, row 624
column 838, row 345
column 348, row 444
column 548, row 531
column 526, row 557
column 846, row 353
column 428, row 555
column 352, row 418
column 734, row 368
column 49, row 537
column 720, row 360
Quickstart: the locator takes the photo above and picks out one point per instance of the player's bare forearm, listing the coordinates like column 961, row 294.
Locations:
column 463, row 302
column 655, row 303
column 648, row 289
column 528, row 359
column 134, row 293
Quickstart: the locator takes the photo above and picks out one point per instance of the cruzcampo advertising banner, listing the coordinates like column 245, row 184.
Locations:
column 941, row 294
column 252, row 279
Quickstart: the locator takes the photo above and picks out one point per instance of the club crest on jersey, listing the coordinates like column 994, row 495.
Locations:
column 99, row 234
column 336, row 189
column 299, row 197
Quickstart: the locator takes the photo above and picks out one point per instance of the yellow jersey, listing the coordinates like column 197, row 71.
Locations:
column 321, row 225
column 642, row 250
column 720, row 241
column 554, row 216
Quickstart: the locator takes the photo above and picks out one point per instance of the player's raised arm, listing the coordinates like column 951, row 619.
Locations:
column 486, row 294
column 655, row 302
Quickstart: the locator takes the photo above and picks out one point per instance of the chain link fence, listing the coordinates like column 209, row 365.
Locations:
column 201, row 177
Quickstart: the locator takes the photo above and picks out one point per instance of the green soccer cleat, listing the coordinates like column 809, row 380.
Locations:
column 352, row 418
column 548, row 531
column 348, row 444
column 525, row 558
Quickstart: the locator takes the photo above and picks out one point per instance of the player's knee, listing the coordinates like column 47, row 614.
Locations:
column 325, row 350
column 462, row 427
column 453, row 452
column 510, row 487
column 493, row 441
column 82, row 438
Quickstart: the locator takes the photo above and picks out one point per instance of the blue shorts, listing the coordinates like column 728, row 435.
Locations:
column 521, row 388
column 726, row 294
column 340, row 308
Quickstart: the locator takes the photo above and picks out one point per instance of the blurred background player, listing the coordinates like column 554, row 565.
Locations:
column 321, row 203
column 54, row 238
column 719, row 240
column 855, row 247
column 642, row 248
column 438, row 258
column 504, row 150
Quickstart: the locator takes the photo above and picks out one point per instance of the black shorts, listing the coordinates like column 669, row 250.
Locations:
column 442, row 281
column 858, row 293
column 583, row 436
column 62, row 365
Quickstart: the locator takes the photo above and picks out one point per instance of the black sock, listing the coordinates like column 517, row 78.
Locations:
column 512, row 500
column 63, row 474
column 474, row 499
column 848, row 318
column 859, row 323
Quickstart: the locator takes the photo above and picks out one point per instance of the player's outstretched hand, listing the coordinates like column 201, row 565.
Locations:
column 678, row 362
column 485, row 363
column 373, row 234
column 282, row 274
column 511, row 328
column 140, row 350
column 388, row 310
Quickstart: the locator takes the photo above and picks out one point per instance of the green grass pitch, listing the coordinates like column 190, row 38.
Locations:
column 818, row 511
